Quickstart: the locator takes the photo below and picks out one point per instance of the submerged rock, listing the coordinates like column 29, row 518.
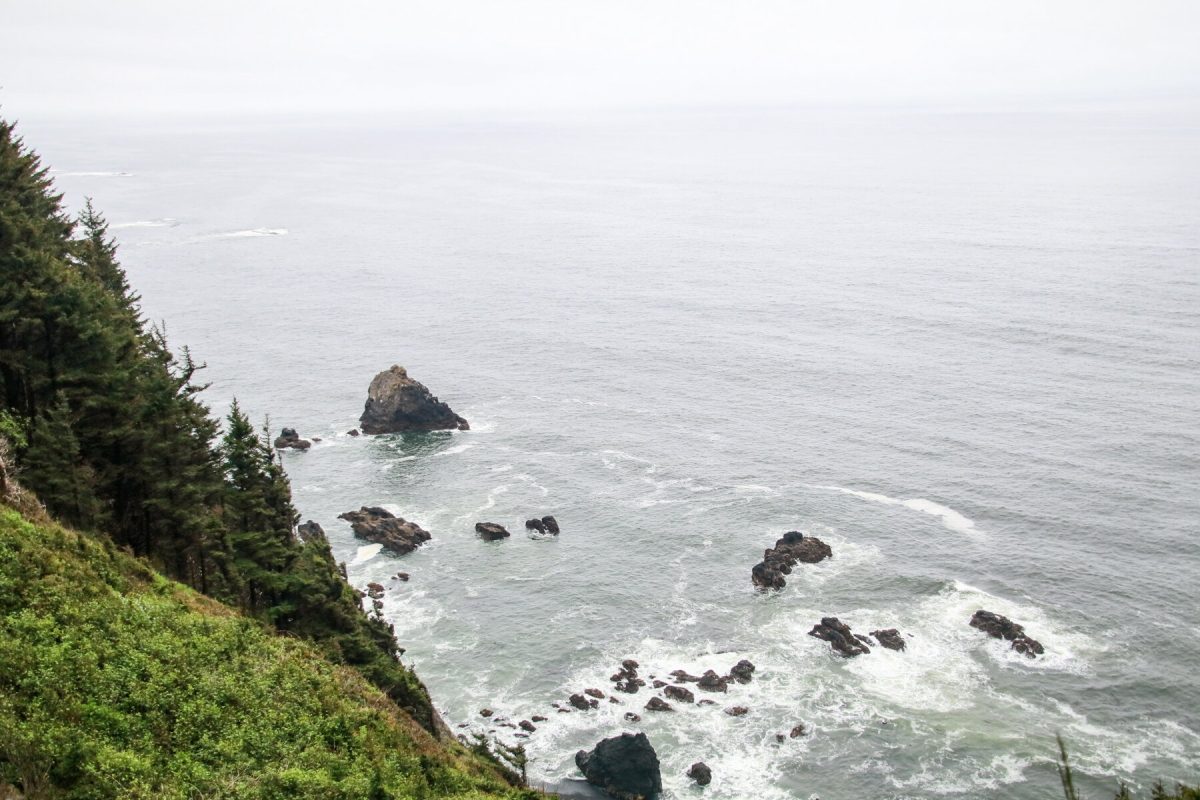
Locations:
column 700, row 773
column 791, row 548
column 625, row 766
column 1000, row 627
column 889, row 638
column 737, row 711
column 840, row 637
column 397, row 403
column 288, row 438
column 380, row 526
column 490, row 531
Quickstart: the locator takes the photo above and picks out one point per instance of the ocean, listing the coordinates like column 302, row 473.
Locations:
column 961, row 348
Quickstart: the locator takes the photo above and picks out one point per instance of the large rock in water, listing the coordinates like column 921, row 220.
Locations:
column 397, row 403
column 844, row 641
column 1001, row 627
column 791, row 548
column 625, row 766
column 289, row 438
column 380, row 526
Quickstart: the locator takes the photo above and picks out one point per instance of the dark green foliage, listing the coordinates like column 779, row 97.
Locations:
column 1157, row 792
column 117, row 683
column 109, row 430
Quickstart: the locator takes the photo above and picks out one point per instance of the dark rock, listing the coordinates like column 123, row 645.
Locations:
column 288, row 438
column 397, row 403
column 551, row 524
column 374, row 590
column 594, row 693
column 535, row 525
column 658, row 684
column 486, row 712
column 798, row 731
column 352, row 432
column 632, row 717
column 683, row 677
column 316, row 438
column 700, row 773
column 378, row 525
column 658, row 704
column 839, row 636
column 779, row 737
column 742, row 671
column 614, row 700
column 737, row 711
column 402, row 576
column 538, row 718
column 679, row 693
column 706, row 702
column 712, row 682
column 629, row 665
column 791, row 548
column 579, row 701
column 1000, row 627
column 526, row 725
column 889, row 638
column 490, row 531
column 625, row 766
column 311, row 531
column 629, row 686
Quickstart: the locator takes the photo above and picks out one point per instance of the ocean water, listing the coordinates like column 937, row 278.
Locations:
column 960, row 348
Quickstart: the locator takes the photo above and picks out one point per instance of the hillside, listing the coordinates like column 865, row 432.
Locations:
column 116, row 682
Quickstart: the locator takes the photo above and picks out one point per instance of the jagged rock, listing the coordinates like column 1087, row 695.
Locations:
column 551, row 524
column 737, row 711
column 712, row 682
column 632, row 717
column 486, row 712
column 538, row 718
column 779, row 737
column 1000, row 627
column 310, row 531
column 374, row 590
column 625, row 766
column 581, row 702
column 490, row 531
column 658, row 684
column 402, row 576
column 599, row 695
column 679, row 693
column 614, row 700
column 626, row 678
column 535, row 525
column 791, row 548
column 839, row 635
column 629, row 665
column 798, row 731
column 683, row 677
column 289, row 438
column 658, row 704
column 397, row 403
column 700, row 773
column 630, row 686
column 889, row 638
column 526, row 725
column 706, row 702
column 380, row 526
column 352, row 432
column 742, row 671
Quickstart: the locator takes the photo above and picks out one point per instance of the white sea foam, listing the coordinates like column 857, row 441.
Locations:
column 165, row 222
column 458, row 448
column 91, row 174
column 252, row 233
column 950, row 518
column 365, row 554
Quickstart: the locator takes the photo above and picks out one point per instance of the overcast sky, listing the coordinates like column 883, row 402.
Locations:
column 166, row 56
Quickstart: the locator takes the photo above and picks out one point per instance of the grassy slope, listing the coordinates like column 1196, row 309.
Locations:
column 115, row 682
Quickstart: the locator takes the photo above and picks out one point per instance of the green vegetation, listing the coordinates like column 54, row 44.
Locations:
column 116, row 682
column 1157, row 792
column 106, row 427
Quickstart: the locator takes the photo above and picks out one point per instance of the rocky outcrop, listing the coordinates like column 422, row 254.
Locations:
column 737, row 711
column 889, row 638
column 396, row 403
column 380, row 526
column 840, row 637
column 535, row 525
column 658, row 704
column 551, row 524
column 791, row 548
column 626, row 678
column 581, row 702
column 700, row 773
column 710, row 681
column 1000, row 627
column 625, row 766
column 490, row 531
column 742, row 671
column 679, row 693
column 310, row 531
column 288, row 438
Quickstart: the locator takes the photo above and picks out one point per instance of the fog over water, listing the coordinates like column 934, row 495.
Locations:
column 961, row 348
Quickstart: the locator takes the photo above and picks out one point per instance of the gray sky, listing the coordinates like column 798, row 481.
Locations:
column 166, row 56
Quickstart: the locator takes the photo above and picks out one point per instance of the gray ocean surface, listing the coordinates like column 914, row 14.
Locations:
column 962, row 349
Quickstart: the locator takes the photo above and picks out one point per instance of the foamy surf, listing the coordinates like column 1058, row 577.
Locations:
column 950, row 518
column 165, row 222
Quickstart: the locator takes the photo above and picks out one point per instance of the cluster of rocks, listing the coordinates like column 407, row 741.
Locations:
column 396, row 403
column 791, row 548
column 1000, row 627
column 847, row 643
column 626, row 678
column 380, row 526
column 288, row 438
column 546, row 524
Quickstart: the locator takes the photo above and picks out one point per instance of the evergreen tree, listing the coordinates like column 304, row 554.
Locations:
column 54, row 469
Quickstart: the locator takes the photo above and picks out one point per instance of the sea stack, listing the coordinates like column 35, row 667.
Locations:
column 396, row 403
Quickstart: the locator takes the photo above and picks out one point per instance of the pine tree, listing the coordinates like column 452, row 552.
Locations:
column 53, row 467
